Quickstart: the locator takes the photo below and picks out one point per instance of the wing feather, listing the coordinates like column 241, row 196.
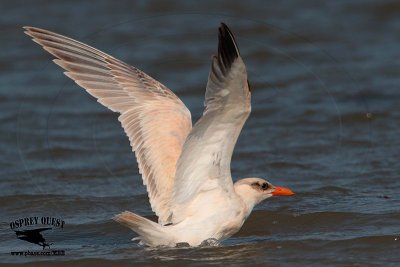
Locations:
column 153, row 117
column 204, row 163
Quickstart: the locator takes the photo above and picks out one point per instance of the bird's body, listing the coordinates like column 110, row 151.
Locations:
column 186, row 169
column 201, row 223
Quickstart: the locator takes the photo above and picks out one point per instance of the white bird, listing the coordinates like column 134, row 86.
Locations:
column 186, row 170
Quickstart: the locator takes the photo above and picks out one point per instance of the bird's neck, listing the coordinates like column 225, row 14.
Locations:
column 248, row 199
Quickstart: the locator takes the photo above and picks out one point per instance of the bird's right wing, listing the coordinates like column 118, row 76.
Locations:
column 153, row 117
column 204, row 164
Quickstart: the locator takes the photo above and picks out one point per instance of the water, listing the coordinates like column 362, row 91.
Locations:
column 325, row 123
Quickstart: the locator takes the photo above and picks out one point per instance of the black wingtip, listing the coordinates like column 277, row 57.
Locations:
column 227, row 47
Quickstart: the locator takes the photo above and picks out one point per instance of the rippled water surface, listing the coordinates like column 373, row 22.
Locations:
column 325, row 79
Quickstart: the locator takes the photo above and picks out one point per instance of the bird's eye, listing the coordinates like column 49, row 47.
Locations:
column 264, row 186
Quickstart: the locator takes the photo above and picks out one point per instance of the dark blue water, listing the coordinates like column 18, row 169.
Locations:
column 325, row 122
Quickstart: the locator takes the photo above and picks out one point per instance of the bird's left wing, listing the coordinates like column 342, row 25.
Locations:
column 205, row 160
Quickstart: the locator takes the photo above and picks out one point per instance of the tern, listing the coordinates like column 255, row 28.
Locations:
column 185, row 168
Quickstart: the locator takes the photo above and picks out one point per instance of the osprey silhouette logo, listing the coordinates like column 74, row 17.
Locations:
column 27, row 229
column 34, row 236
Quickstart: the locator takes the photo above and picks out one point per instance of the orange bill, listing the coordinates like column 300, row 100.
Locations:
column 282, row 191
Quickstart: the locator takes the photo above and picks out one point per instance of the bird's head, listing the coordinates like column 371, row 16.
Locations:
column 254, row 190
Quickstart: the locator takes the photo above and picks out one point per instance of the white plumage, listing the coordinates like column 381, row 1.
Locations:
column 186, row 171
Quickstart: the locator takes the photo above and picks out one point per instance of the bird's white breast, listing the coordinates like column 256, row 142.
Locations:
column 212, row 214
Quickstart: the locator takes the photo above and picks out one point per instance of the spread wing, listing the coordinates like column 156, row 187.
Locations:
column 153, row 117
column 206, row 155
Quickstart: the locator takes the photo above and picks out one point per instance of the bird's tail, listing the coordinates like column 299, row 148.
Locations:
column 151, row 233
